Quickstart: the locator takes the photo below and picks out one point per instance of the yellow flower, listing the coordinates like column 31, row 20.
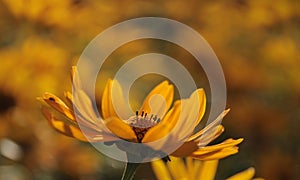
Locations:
column 58, row 11
column 194, row 170
column 179, row 121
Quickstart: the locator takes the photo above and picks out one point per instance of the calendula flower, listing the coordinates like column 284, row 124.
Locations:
column 151, row 125
column 194, row 169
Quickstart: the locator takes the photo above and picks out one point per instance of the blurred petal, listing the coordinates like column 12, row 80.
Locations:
column 244, row 175
column 177, row 168
column 189, row 166
column 69, row 97
column 194, row 168
column 160, row 170
column 75, row 78
column 208, row 170
column 159, row 99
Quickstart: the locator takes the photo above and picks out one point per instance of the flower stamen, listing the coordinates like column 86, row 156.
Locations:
column 140, row 124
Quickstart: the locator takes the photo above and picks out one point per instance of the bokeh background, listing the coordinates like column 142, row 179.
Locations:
column 257, row 43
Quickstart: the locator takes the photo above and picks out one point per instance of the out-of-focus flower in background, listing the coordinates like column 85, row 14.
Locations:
column 194, row 169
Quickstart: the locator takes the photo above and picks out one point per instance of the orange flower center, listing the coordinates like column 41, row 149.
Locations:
column 141, row 123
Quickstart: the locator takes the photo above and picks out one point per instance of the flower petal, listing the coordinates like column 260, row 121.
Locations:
column 58, row 105
column 225, row 144
column 161, row 170
column 210, row 136
column 247, row 174
column 216, row 154
column 159, row 99
column 63, row 127
column 218, row 151
column 84, row 132
column 113, row 93
column 96, row 124
column 209, row 128
column 75, row 78
column 193, row 167
column 186, row 149
column 192, row 111
column 84, row 105
column 208, row 170
column 202, row 103
column 120, row 129
column 69, row 97
column 164, row 127
column 188, row 111
column 177, row 168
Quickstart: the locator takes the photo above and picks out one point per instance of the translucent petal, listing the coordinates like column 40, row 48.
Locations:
column 159, row 99
column 209, row 128
column 113, row 91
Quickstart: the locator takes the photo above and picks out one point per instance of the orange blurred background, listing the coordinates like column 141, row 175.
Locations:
column 257, row 43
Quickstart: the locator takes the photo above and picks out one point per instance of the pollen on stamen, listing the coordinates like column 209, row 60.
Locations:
column 141, row 123
column 143, row 120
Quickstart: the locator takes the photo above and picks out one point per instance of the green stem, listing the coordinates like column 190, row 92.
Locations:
column 129, row 171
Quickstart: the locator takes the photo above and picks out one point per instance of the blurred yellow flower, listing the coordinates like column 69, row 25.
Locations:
column 281, row 51
column 193, row 170
column 136, row 128
column 47, row 11
column 33, row 62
